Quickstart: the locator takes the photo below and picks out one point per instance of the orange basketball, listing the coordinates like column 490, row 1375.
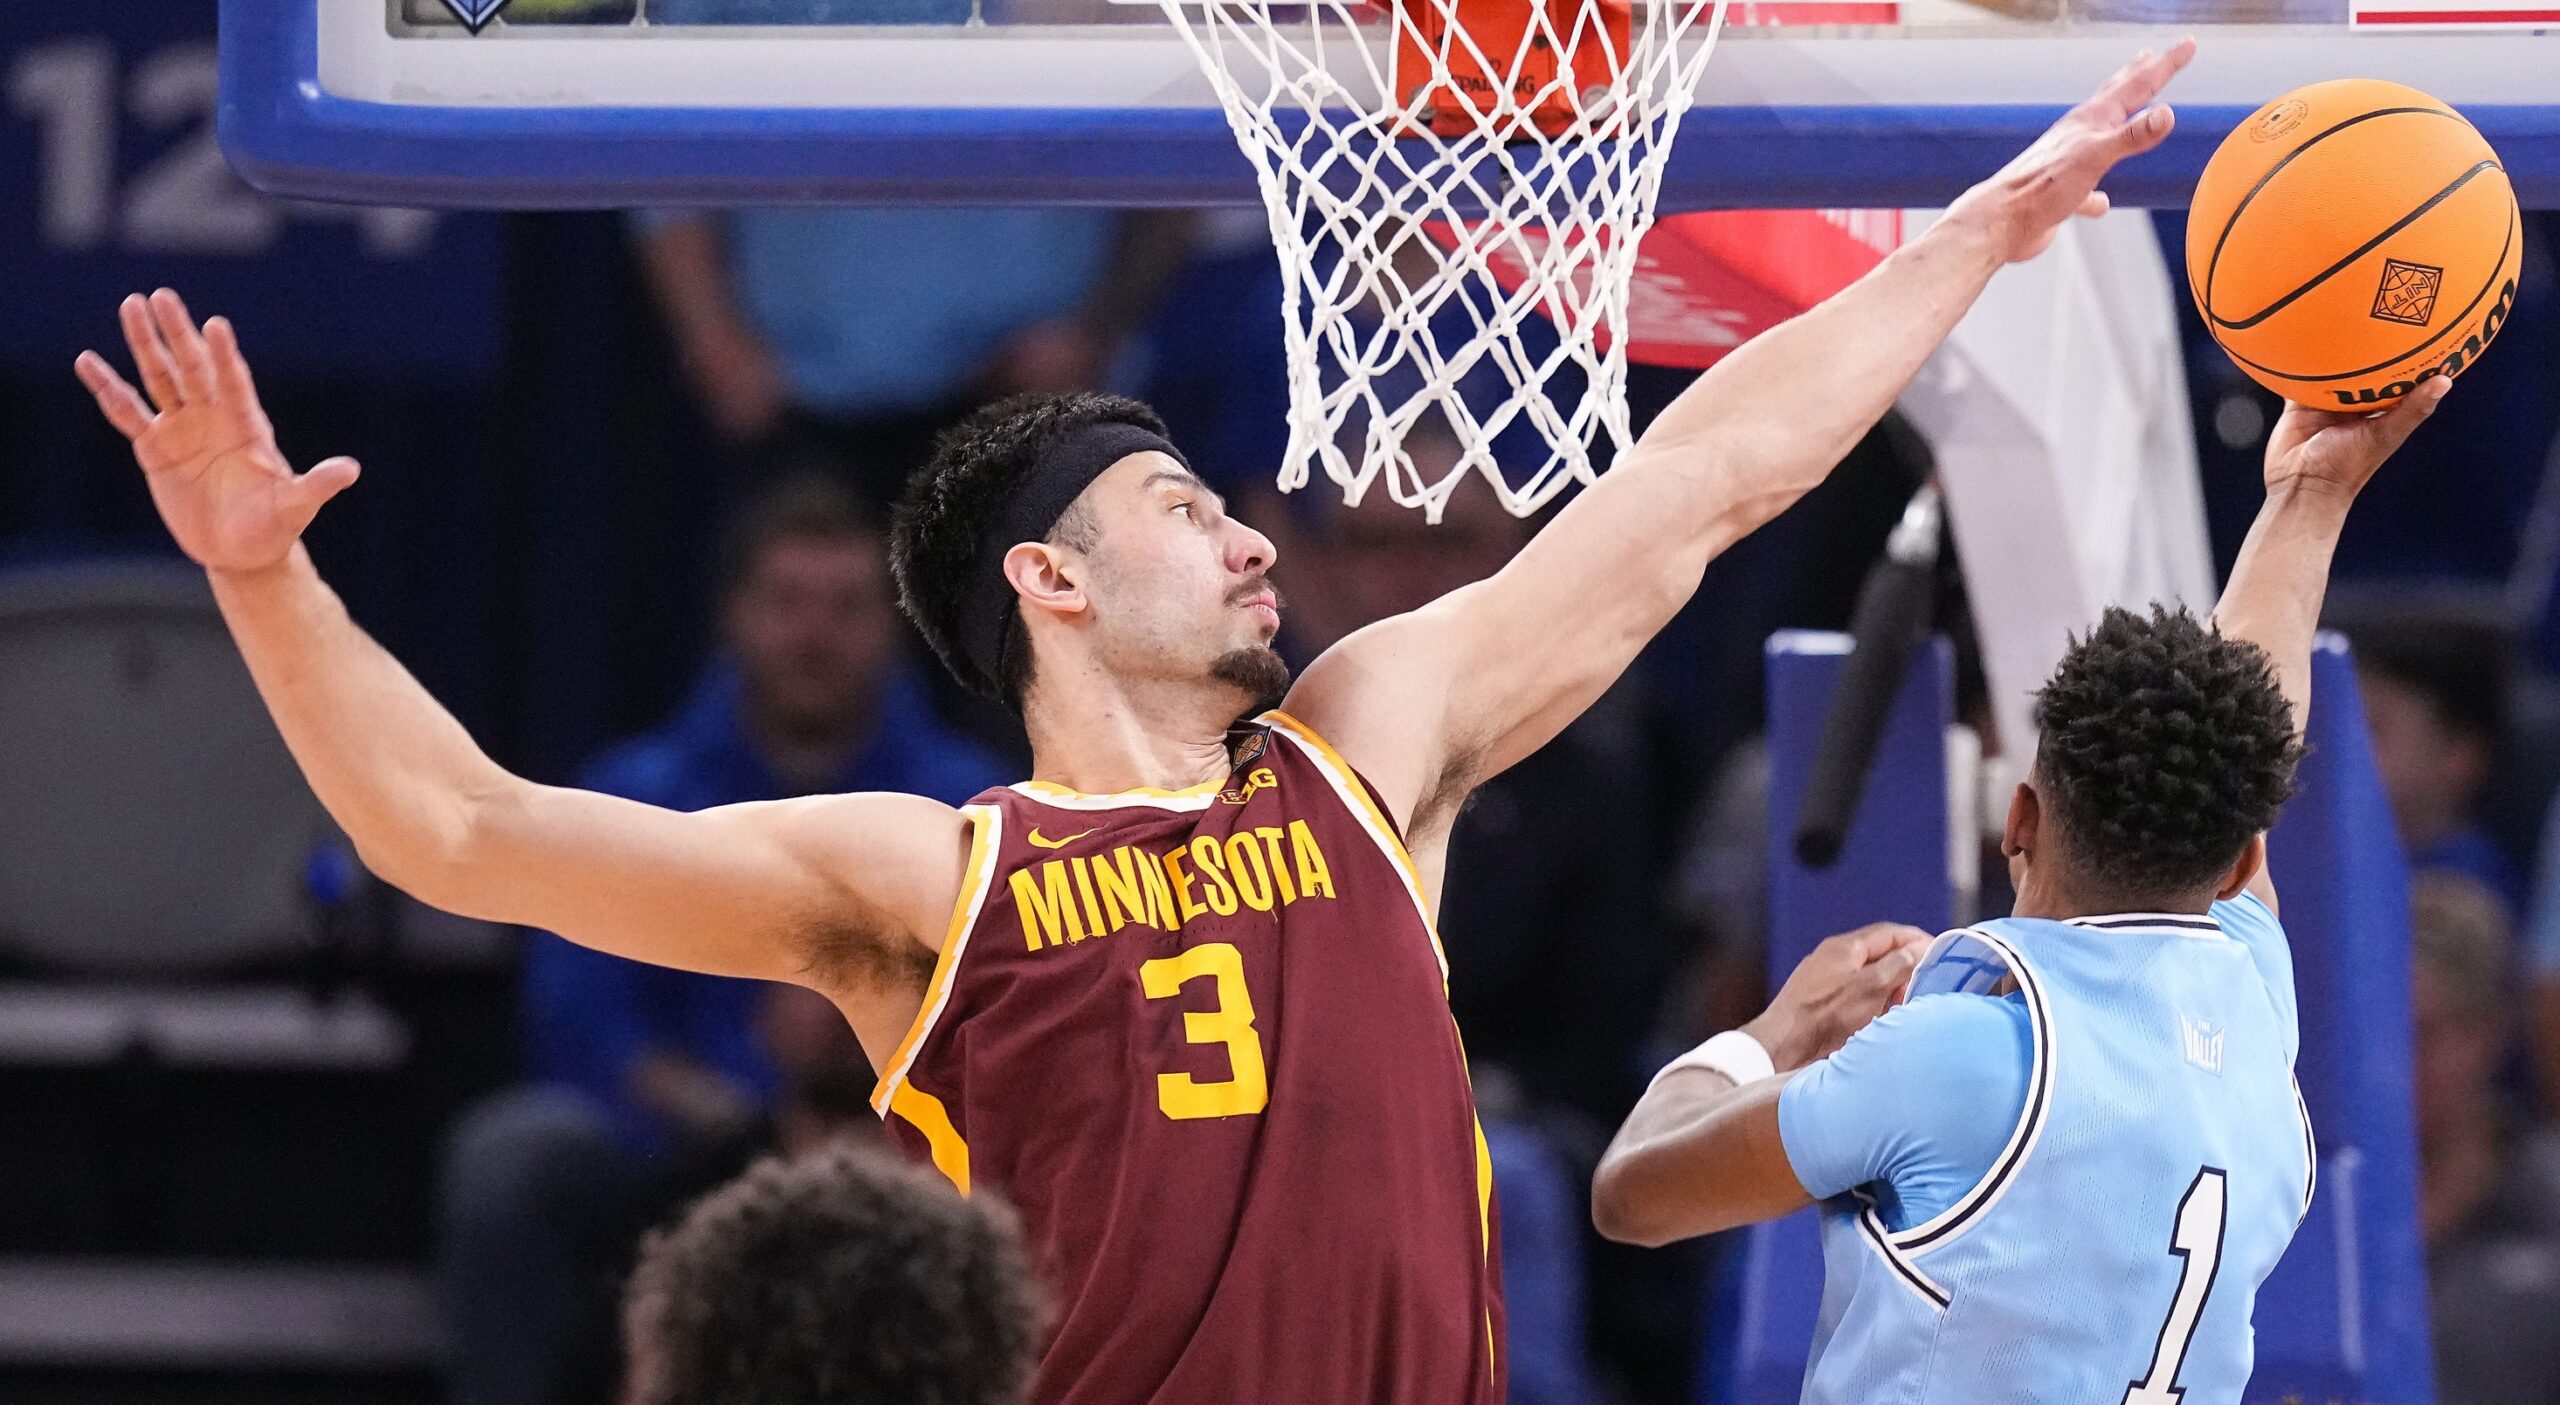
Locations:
column 2350, row 239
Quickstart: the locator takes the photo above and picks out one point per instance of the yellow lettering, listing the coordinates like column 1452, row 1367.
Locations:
column 1213, row 875
column 1191, row 907
column 1048, row 912
column 1271, row 835
column 1160, row 908
column 1247, row 1089
column 1244, row 865
column 1084, row 885
column 1313, row 876
column 1115, row 881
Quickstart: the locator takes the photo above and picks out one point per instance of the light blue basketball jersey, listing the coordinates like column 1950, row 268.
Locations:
column 2112, row 1252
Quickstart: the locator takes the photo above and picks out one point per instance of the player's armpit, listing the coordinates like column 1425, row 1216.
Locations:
column 1698, row 1155
column 847, row 893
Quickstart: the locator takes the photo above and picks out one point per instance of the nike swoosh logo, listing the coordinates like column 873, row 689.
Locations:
column 1036, row 838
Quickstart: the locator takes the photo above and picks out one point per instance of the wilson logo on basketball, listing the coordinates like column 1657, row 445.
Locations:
column 2408, row 292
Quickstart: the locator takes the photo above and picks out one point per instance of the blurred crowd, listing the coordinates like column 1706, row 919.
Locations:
column 1604, row 904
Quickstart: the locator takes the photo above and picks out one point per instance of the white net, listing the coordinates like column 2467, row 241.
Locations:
column 1432, row 192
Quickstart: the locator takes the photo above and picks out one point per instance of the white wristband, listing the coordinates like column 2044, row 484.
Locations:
column 1733, row 1053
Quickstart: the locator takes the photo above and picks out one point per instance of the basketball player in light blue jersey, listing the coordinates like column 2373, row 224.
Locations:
column 2059, row 1169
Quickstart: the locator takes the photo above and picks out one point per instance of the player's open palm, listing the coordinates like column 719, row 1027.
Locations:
column 2339, row 451
column 204, row 444
column 2057, row 177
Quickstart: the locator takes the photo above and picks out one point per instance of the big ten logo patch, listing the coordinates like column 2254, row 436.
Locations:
column 1260, row 780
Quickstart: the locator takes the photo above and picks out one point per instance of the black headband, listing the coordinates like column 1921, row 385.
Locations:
column 1039, row 500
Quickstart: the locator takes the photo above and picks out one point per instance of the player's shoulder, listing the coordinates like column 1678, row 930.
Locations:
column 2246, row 916
column 2250, row 922
column 1952, row 1047
column 2254, row 925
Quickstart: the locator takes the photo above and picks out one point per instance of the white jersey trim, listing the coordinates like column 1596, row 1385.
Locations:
column 2310, row 1154
column 2195, row 926
column 1950, row 1224
column 1058, row 796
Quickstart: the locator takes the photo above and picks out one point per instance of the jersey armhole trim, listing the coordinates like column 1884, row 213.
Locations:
column 2310, row 1154
column 986, row 834
column 927, row 1115
column 1372, row 817
column 1880, row 1240
column 1950, row 1224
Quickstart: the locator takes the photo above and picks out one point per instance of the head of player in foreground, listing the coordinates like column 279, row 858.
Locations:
column 1060, row 545
column 840, row 1278
column 2167, row 750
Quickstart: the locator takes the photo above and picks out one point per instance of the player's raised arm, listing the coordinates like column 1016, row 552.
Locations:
column 747, row 890
column 2317, row 462
column 1515, row 658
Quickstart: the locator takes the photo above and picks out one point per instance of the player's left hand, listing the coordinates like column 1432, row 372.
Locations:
column 2339, row 451
column 1832, row 994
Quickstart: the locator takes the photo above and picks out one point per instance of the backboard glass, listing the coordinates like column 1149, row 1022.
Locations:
column 1874, row 103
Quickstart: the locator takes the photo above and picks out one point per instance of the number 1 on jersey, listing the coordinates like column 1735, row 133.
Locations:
column 1246, row 1090
column 2197, row 1239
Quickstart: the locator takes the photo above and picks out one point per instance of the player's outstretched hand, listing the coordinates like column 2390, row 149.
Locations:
column 2027, row 202
column 1832, row 994
column 205, row 446
column 2338, row 452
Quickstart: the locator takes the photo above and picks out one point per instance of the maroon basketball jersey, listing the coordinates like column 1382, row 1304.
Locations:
column 1201, row 1039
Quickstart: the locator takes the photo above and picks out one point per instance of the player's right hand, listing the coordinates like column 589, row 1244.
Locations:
column 1832, row 994
column 2026, row 203
column 205, row 446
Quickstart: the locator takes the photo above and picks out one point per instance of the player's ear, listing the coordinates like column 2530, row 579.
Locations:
column 2018, row 836
column 1042, row 575
column 2244, row 870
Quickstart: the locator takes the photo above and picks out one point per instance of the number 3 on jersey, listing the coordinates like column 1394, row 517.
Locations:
column 2197, row 1239
column 1246, row 1090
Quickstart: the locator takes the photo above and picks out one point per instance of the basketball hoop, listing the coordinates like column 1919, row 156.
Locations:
column 1405, row 152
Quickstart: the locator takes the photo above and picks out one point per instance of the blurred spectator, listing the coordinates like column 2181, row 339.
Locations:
column 843, row 1278
column 848, row 338
column 649, row 1083
column 2489, row 1196
column 2435, row 696
column 1720, row 889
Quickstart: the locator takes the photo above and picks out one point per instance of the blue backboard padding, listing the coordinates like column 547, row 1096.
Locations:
column 2344, row 1316
column 285, row 135
column 1897, row 839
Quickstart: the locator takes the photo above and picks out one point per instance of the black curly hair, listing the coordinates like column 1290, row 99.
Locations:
column 2165, row 748
column 950, row 505
column 842, row 1278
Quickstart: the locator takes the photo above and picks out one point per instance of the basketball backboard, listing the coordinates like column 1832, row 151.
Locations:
column 1865, row 103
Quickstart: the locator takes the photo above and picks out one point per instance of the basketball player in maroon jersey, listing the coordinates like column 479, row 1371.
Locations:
column 1179, row 997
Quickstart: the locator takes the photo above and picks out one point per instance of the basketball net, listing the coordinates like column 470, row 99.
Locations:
column 1405, row 151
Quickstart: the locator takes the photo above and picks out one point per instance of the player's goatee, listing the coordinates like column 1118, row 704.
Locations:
column 1257, row 669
